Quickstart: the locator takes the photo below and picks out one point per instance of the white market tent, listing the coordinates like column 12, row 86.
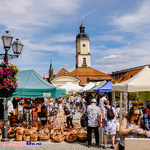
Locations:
column 69, row 86
column 138, row 83
column 87, row 87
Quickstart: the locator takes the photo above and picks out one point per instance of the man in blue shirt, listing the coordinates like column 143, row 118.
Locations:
column 145, row 119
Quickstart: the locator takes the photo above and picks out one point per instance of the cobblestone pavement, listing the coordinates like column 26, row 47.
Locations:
column 52, row 145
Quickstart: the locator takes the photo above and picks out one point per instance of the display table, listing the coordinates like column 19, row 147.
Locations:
column 137, row 143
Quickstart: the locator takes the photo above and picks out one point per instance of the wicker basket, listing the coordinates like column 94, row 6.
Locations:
column 20, row 130
column 9, row 130
column 66, row 131
column 59, row 138
column 1, row 136
column 46, row 130
column 34, row 128
column 26, row 137
column 18, row 137
column 37, row 123
column 28, row 131
column 1, row 131
column 44, row 137
column 82, row 136
column 34, row 137
column 1, row 124
column 51, row 135
column 71, row 137
column 11, row 135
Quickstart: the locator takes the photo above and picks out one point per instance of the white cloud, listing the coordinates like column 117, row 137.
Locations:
column 114, row 59
column 28, row 15
column 63, row 37
column 133, row 22
column 61, row 48
column 110, row 37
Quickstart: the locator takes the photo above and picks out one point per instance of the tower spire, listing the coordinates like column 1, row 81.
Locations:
column 50, row 71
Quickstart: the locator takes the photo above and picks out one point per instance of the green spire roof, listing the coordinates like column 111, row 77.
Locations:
column 82, row 34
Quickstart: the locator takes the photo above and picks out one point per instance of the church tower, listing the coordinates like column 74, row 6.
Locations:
column 83, row 56
column 50, row 72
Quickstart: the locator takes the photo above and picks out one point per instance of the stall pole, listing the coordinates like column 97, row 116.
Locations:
column 113, row 98
column 120, row 107
column 54, row 116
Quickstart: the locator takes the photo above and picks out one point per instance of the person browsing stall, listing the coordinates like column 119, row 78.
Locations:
column 69, row 116
column 129, row 126
column 101, row 101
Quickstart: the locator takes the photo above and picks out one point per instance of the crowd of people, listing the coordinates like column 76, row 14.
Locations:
column 99, row 112
column 133, row 124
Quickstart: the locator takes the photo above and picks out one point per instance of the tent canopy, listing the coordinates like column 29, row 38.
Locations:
column 96, row 87
column 87, row 87
column 139, row 82
column 31, row 84
column 105, row 88
column 69, row 86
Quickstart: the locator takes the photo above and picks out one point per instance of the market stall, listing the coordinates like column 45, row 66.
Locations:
column 105, row 88
column 31, row 84
column 87, row 87
column 96, row 87
column 138, row 83
column 70, row 87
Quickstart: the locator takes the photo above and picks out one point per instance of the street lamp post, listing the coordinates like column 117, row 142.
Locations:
column 17, row 49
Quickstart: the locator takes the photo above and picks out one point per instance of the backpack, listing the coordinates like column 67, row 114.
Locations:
column 84, row 120
column 110, row 113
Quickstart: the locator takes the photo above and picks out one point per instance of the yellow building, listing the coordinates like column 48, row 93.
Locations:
column 83, row 72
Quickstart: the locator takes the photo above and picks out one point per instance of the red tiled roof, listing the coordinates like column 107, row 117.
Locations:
column 127, row 75
column 63, row 72
column 84, row 73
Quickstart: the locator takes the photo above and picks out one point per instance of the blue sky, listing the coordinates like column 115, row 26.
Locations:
column 119, row 32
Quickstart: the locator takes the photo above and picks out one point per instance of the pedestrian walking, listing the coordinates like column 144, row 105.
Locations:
column 93, row 114
column 109, row 115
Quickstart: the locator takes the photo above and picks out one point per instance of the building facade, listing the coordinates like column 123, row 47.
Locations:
column 83, row 73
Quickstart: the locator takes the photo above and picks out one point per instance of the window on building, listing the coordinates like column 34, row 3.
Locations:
column 131, row 75
column 84, row 61
column 123, row 77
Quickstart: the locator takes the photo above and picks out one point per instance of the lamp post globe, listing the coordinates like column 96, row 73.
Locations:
column 7, row 40
column 17, row 47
